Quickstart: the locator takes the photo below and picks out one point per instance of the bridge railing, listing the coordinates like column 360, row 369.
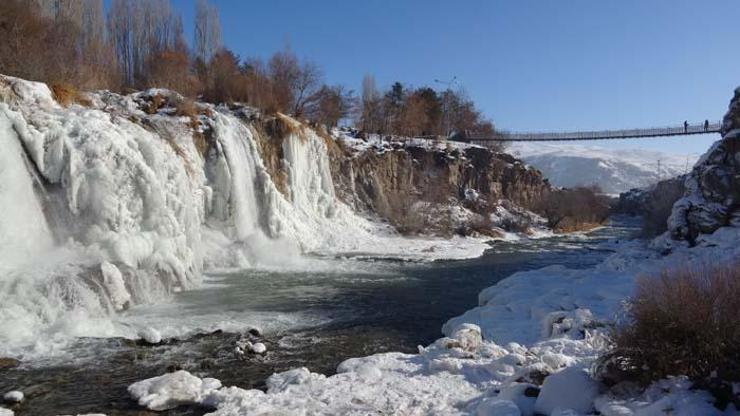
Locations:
column 679, row 130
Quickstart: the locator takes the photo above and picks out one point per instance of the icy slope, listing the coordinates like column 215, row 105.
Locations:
column 614, row 170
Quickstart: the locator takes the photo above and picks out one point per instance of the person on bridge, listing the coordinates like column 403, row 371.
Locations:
column 685, row 126
column 706, row 125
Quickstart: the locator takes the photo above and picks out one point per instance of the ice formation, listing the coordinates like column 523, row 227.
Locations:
column 108, row 206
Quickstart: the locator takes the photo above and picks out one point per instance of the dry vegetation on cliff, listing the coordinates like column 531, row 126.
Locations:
column 574, row 209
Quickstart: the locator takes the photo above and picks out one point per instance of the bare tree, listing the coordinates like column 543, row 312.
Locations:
column 305, row 86
column 414, row 118
column 258, row 87
column 207, row 31
column 331, row 104
column 283, row 68
column 295, row 83
column 139, row 30
column 371, row 117
column 120, row 27
column 225, row 80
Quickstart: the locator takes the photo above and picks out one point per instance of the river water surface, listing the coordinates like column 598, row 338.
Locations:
column 340, row 308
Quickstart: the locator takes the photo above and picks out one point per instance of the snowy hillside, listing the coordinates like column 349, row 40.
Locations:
column 614, row 170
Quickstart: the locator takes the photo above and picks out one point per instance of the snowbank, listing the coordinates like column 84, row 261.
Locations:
column 171, row 390
column 446, row 378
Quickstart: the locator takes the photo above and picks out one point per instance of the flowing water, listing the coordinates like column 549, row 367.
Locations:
column 340, row 308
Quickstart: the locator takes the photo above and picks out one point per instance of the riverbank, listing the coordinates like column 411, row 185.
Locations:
column 527, row 348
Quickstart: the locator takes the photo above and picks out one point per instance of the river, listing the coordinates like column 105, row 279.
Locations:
column 339, row 309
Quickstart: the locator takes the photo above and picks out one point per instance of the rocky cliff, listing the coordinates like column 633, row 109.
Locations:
column 712, row 196
column 437, row 188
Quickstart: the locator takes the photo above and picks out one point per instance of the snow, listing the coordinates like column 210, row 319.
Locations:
column 497, row 407
column 259, row 348
column 380, row 144
column 171, row 390
column 672, row 396
column 521, row 394
column 614, row 170
column 6, row 412
column 150, row 335
column 14, row 396
column 568, row 389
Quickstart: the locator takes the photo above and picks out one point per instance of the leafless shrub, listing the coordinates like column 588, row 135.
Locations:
column 405, row 214
column 681, row 322
column 574, row 209
column 186, row 107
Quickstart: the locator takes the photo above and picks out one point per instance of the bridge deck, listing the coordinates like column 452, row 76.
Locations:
column 505, row 136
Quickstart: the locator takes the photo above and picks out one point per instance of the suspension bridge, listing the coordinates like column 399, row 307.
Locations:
column 655, row 132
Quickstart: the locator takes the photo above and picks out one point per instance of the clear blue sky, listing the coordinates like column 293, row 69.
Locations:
column 530, row 65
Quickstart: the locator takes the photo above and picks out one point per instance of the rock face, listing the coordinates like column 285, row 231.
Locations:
column 712, row 197
column 426, row 187
column 638, row 201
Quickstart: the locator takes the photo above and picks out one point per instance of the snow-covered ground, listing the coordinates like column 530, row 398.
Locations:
column 614, row 170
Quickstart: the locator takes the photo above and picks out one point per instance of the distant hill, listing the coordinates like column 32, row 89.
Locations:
column 614, row 170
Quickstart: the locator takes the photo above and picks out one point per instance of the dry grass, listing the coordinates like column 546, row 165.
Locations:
column 199, row 139
column 66, row 95
column 281, row 127
column 187, row 107
column 157, row 102
column 271, row 151
column 682, row 322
